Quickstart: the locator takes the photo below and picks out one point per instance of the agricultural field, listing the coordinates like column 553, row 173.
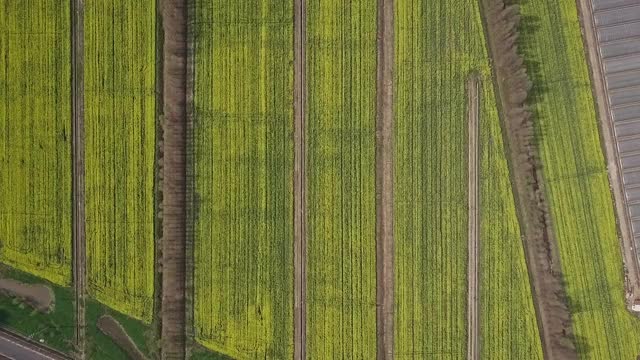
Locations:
column 120, row 123
column 341, row 124
column 576, row 181
column 243, row 177
column 35, row 138
column 438, row 45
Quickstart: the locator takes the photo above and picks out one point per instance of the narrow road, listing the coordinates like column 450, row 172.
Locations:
column 384, row 182
column 174, row 185
column 473, row 89
column 79, row 248
column 15, row 347
column 299, row 181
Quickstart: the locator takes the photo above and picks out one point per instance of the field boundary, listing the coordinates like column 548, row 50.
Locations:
column 78, row 182
column 174, row 15
column 384, row 181
column 473, row 93
column 607, row 137
column 299, row 180
column 157, row 182
column 512, row 84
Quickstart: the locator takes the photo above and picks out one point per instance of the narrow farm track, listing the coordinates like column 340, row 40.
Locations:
column 384, row 181
column 473, row 90
column 79, row 243
column 174, row 183
column 300, row 229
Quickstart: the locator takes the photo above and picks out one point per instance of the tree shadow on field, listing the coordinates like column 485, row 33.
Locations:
column 582, row 346
column 529, row 26
column 575, row 307
column 4, row 317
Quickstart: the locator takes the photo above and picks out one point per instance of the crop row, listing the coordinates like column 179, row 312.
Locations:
column 438, row 45
column 341, row 124
column 35, row 138
column 243, row 177
column 576, row 181
column 120, row 123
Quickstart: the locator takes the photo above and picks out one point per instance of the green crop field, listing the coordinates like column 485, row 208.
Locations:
column 120, row 153
column 508, row 325
column 341, row 241
column 576, row 181
column 35, row 138
column 243, row 164
column 438, row 44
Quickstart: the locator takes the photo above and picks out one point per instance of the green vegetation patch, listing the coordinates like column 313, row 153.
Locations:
column 438, row 45
column 35, row 137
column 56, row 328
column 341, row 240
column 101, row 347
column 243, row 170
column 576, row 181
column 120, row 123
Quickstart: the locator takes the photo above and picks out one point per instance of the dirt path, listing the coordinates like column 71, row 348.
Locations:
column 384, row 182
column 473, row 91
column 299, row 180
column 632, row 269
column 174, row 185
column 79, row 247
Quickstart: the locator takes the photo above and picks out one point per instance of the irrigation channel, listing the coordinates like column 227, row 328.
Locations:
column 473, row 91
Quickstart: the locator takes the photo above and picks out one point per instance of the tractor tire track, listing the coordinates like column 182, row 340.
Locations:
column 78, row 188
column 299, row 180
column 473, row 91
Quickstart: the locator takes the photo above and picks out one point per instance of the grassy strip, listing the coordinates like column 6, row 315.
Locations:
column 243, row 165
column 576, row 181
column 100, row 346
column 35, row 137
column 120, row 152
column 55, row 328
column 341, row 243
column 438, row 44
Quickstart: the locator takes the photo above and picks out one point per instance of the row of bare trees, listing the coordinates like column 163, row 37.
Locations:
column 514, row 87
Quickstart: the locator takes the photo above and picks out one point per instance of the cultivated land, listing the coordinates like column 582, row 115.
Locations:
column 341, row 228
column 576, row 181
column 35, row 138
column 243, row 164
column 120, row 151
column 433, row 61
column 300, row 181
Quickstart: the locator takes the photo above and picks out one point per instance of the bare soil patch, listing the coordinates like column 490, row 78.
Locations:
column 174, row 179
column 38, row 296
column 384, row 181
column 112, row 328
